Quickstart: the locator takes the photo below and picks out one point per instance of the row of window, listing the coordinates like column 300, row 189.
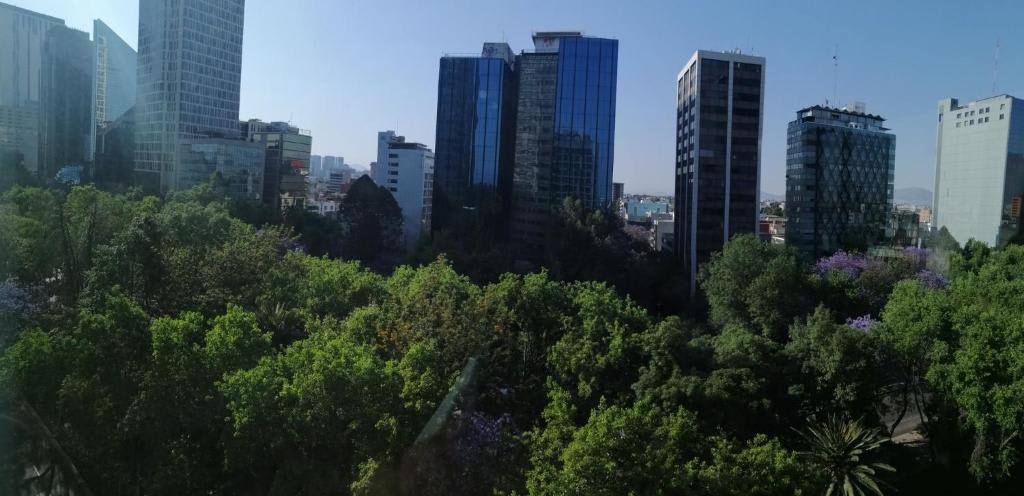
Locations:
column 985, row 110
column 980, row 121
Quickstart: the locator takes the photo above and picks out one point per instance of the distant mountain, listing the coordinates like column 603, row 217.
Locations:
column 766, row 196
column 912, row 196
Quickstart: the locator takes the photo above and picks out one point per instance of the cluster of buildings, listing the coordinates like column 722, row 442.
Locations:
column 164, row 117
column 840, row 165
column 65, row 97
column 516, row 134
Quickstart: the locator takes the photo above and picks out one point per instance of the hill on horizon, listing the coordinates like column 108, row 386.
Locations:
column 912, row 196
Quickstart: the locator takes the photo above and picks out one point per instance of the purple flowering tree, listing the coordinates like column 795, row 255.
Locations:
column 863, row 323
column 919, row 256
column 17, row 306
column 931, row 279
column 479, row 440
column 850, row 263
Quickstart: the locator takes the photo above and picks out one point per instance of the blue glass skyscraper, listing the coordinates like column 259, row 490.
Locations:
column 565, row 130
column 475, row 112
column 585, row 120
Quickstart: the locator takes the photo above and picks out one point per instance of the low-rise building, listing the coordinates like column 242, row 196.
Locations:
column 239, row 164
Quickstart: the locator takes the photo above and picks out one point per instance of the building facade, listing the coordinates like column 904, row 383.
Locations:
column 618, row 191
column 979, row 169
column 114, row 159
column 23, row 35
column 238, row 163
column 287, row 161
column 406, row 169
column 316, row 166
column 720, row 98
column 565, row 129
column 840, row 165
column 115, row 71
column 66, row 123
column 189, row 73
column 475, row 133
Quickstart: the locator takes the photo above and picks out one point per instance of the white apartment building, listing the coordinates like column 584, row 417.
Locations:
column 406, row 169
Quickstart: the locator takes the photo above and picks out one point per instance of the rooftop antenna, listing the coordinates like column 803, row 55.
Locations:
column 995, row 69
column 835, row 77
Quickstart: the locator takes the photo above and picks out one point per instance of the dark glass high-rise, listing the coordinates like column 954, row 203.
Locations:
column 474, row 139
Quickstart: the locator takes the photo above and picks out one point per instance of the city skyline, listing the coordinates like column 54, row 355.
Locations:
column 901, row 71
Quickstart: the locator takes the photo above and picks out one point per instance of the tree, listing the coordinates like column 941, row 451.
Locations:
column 759, row 467
column 305, row 420
column 980, row 370
column 943, row 240
column 841, row 450
column 755, row 284
column 600, row 350
column 914, row 334
column 320, row 235
column 835, row 366
column 620, row 450
column 371, row 222
column 300, row 288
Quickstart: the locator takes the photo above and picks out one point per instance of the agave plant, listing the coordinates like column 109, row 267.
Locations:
column 839, row 448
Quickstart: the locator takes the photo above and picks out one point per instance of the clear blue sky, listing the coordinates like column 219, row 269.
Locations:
column 346, row 69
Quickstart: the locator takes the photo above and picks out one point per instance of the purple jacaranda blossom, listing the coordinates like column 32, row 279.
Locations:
column 479, row 438
column 919, row 256
column 16, row 300
column 850, row 263
column 931, row 279
column 862, row 323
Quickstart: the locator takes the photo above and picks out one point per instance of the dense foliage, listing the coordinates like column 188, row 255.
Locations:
column 165, row 346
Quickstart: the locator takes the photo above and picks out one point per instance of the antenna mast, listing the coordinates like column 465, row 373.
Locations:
column 835, row 77
column 995, row 69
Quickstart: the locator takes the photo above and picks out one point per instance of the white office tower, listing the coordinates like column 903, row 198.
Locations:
column 979, row 169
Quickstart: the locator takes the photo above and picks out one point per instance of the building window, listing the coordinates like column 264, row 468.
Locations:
column 392, row 155
column 986, row 119
column 1002, row 106
column 957, row 124
column 392, row 173
column 972, row 122
column 393, row 190
column 1001, row 116
column 958, row 115
column 392, row 181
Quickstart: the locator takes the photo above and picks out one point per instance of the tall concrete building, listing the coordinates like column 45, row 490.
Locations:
column 979, row 169
column 115, row 72
column 406, row 169
column 23, row 35
column 565, row 130
column 475, row 134
column 719, row 108
column 189, row 73
column 840, row 165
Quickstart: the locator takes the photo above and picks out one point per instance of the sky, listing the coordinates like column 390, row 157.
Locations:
column 346, row 69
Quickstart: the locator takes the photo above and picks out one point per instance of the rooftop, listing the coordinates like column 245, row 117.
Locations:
column 843, row 110
column 27, row 12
